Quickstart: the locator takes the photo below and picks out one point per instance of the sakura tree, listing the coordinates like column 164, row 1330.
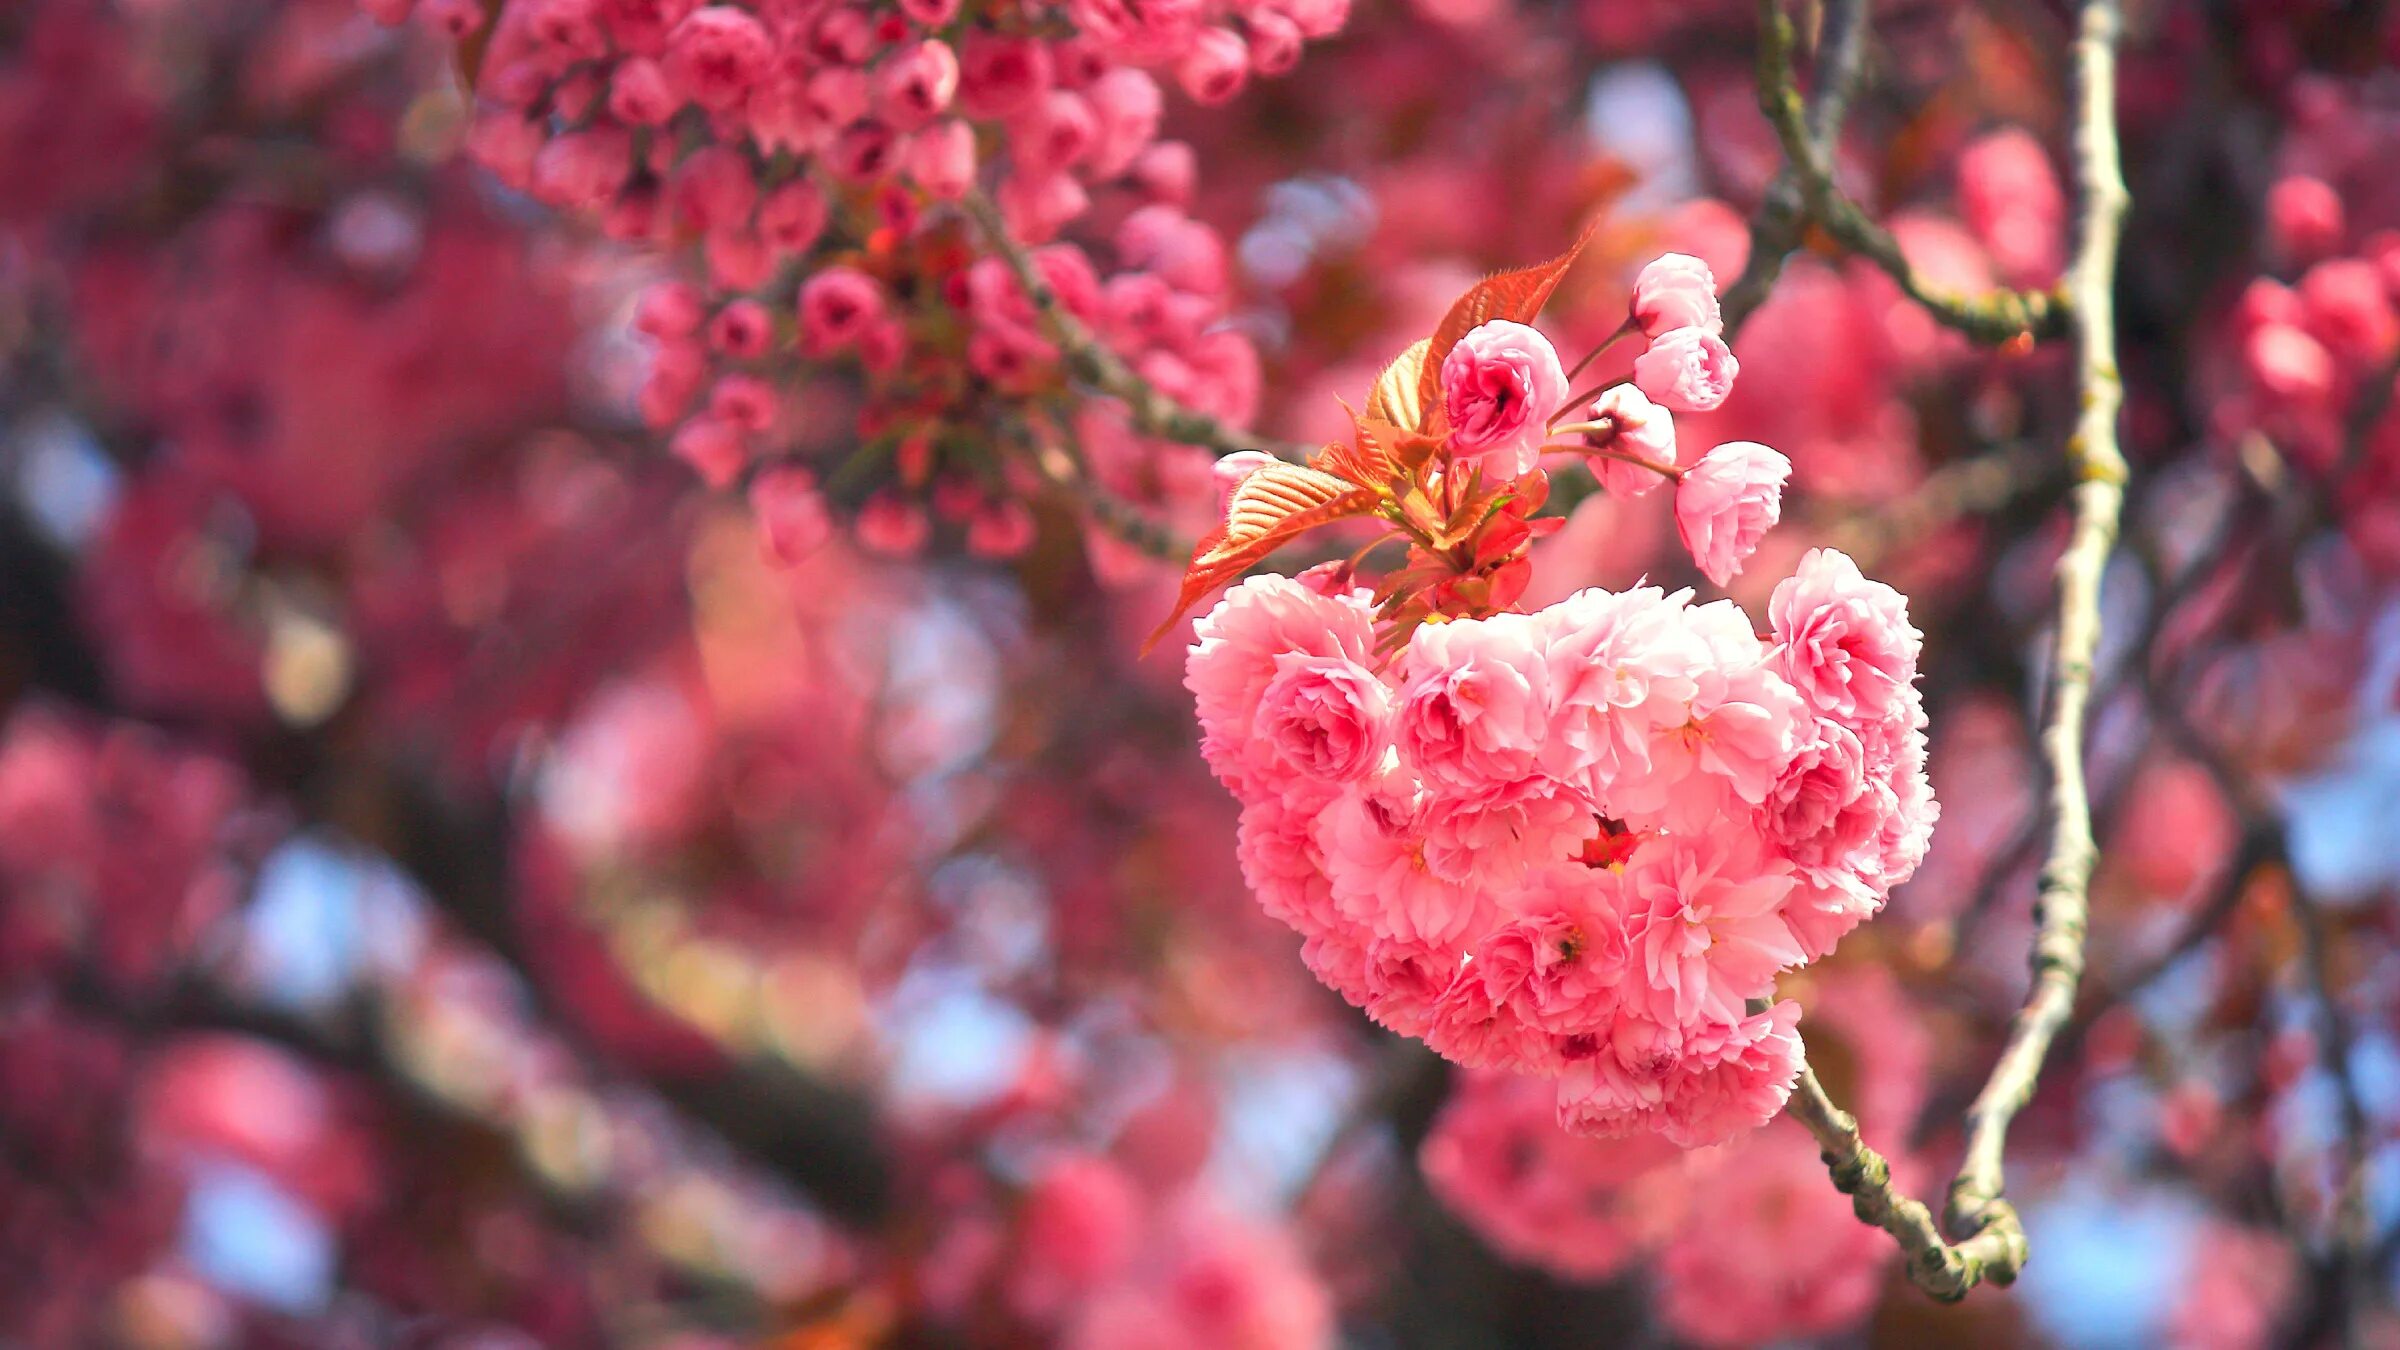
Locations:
column 973, row 672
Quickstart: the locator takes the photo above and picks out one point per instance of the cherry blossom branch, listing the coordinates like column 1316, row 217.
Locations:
column 2062, row 902
column 1943, row 1269
column 1092, row 362
column 2002, row 315
column 1781, row 220
column 1992, row 1247
column 1063, row 465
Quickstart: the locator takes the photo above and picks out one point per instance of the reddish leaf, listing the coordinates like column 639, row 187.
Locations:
column 1516, row 296
column 1273, row 506
column 1398, row 396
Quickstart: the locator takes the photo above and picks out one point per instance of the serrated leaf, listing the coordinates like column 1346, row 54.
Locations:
column 1276, row 504
column 1398, row 397
column 1517, row 296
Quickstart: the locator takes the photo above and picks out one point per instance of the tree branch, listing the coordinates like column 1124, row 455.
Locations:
column 2099, row 466
column 1782, row 215
column 1091, row 361
column 1991, row 1245
column 2001, row 316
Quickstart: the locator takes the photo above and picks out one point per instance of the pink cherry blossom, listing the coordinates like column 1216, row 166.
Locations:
column 1235, row 649
column 1703, row 927
column 1848, row 646
column 1696, row 1085
column 1675, row 290
column 1473, row 702
column 1687, row 370
column 1640, row 428
column 1500, row 385
column 1327, row 717
column 1727, row 502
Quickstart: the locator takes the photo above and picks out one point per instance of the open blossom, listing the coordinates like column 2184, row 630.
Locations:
column 1697, row 1085
column 1473, row 699
column 1500, row 385
column 1848, row 646
column 1703, row 925
column 1676, row 290
column 1687, row 370
column 1374, row 851
column 1727, row 502
column 1504, row 832
column 1622, row 665
column 1235, row 649
column 1325, row 716
column 1640, row 428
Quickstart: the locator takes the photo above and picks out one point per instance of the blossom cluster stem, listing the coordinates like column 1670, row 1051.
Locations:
column 1091, row 362
column 1991, row 1243
column 2000, row 316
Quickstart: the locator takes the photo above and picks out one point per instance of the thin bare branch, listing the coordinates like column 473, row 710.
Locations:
column 2000, row 316
column 1990, row 1243
column 1092, row 362
column 2099, row 467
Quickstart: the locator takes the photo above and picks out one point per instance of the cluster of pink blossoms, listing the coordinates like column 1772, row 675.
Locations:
column 1577, row 843
column 808, row 151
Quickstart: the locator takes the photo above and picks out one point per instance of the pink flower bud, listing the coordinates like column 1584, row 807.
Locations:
column 915, row 84
column 1640, row 427
column 1686, row 370
column 2349, row 311
column 930, row 13
column 453, row 19
column 583, row 169
column 1500, row 384
column 1675, row 291
column 865, row 151
column 676, row 370
column 1215, row 67
column 738, row 260
column 792, row 518
column 2287, row 364
column 1727, row 502
column 716, row 55
column 792, row 217
column 2304, row 218
column 746, row 401
column 1036, row 208
column 1275, row 42
column 1129, row 106
column 569, row 27
column 1318, row 18
column 638, row 95
column 713, row 189
column 941, row 158
column 1055, row 135
column 1166, row 172
column 892, row 525
column 999, row 77
column 506, row 145
column 714, row 449
column 741, row 330
column 1002, row 529
column 837, row 305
